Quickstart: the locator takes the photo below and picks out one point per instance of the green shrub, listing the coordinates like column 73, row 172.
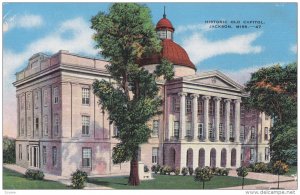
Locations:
column 167, row 169
column 177, row 171
column 184, row 171
column 155, row 168
column 9, row 150
column 260, row 167
column 203, row 174
column 34, row 174
column 191, row 170
column 251, row 167
column 162, row 171
column 242, row 172
column 146, row 169
column 78, row 179
column 225, row 172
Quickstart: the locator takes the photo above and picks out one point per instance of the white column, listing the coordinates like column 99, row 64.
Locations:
column 182, row 115
column 227, row 119
column 217, row 117
column 206, row 105
column 237, row 118
column 195, row 115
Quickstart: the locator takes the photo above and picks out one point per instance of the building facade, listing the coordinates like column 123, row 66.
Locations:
column 61, row 126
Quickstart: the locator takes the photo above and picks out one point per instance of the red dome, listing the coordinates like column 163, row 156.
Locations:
column 164, row 23
column 172, row 52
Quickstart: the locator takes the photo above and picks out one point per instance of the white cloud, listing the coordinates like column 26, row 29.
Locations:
column 193, row 27
column 74, row 35
column 199, row 48
column 22, row 21
column 243, row 75
column 294, row 48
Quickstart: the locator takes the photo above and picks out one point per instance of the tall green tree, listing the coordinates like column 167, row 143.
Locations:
column 273, row 90
column 124, row 35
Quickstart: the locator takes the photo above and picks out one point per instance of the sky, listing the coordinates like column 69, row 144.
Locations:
column 29, row 28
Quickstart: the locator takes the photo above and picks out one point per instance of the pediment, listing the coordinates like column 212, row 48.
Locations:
column 215, row 79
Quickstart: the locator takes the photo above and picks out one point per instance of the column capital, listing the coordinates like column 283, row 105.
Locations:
column 237, row 101
column 194, row 96
column 227, row 100
column 182, row 94
column 206, row 97
column 217, row 98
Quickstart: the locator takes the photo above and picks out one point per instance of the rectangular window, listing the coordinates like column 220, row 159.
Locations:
column 176, row 129
column 55, row 95
column 267, row 153
column 20, row 151
column 44, row 155
column 56, row 124
column 252, row 133
column 188, row 129
column 36, row 99
column 37, row 125
column 176, row 104
column 211, row 107
column 230, row 131
column 85, row 125
column 251, row 153
column 54, row 155
column 85, row 96
column 155, row 128
column 116, row 131
column 210, row 130
column 86, row 157
column 45, row 128
column 242, row 132
column 45, row 97
column 242, row 154
column 200, row 106
column 154, row 155
column 200, row 130
column 188, row 105
column 242, row 112
column 221, row 131
column 266, row 133
column 27, row 152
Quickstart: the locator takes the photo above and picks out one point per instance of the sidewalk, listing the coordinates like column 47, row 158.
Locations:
column 286, row 182
column 61, row 179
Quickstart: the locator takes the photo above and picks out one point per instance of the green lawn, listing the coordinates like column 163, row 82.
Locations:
column 14, row 180
column 292, row 170
column 171, row 182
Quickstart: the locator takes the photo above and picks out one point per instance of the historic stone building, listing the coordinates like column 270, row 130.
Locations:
column 61, row 127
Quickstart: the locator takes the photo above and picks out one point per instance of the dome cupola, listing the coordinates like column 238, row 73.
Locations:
column 164, row 28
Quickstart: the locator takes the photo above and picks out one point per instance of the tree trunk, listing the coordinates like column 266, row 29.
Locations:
column 134, row 179
column 278, row 181
column 243, row 184
column 203, row 185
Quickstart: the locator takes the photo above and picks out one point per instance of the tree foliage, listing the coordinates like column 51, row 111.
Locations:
column 203, row 175
column 9, row 150
column 124, row 35
column 273, row 90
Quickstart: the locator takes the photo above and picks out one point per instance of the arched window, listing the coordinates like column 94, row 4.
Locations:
column 189, row 157
column 213, row 157
column 223, row 157
column 233, row 157
column 172, row 157
column 201, row 162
